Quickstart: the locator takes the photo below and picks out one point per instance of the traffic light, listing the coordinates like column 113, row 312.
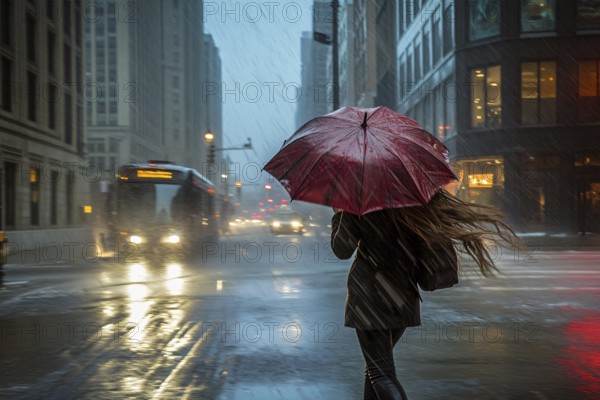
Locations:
column 211, row 154
column 238, row 189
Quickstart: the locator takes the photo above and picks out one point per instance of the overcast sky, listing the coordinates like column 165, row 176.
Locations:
column 260, row 55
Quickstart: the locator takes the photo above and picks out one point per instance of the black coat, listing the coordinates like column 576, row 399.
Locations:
column 382, row 291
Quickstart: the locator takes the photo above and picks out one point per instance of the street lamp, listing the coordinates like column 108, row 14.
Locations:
column 210, row 156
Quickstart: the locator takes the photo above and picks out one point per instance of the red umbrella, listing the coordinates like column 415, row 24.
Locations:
column 362, row 160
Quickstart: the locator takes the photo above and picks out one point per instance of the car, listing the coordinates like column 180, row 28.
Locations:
column 285, row 220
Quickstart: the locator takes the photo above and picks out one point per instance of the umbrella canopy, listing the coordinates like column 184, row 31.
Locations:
column 362, row 160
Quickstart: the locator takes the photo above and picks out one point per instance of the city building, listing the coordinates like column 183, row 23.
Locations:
column 212, row 104
column 304, row 106
column 183, row 65
column 514, row 94
column 316, row 87
column 123, row 81
column 44, row 182
column 365, row 52
column 386, row 60
column 346, row 53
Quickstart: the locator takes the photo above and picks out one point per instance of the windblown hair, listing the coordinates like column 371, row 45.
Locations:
column 473, row 226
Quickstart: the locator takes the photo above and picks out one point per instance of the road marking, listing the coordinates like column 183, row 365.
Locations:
column 539, row 395
column 192, row 353
column 512, row 288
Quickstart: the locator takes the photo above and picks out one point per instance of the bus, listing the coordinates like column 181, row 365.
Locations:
column 161, row 206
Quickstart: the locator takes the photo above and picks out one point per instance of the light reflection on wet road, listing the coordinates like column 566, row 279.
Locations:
column 261, row 318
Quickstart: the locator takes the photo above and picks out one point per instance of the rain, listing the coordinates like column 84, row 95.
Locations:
column 233, row 200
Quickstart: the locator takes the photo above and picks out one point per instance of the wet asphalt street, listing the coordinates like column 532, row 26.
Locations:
column 260, row 317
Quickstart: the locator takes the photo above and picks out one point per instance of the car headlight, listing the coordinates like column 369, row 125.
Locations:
column 135, row 239
column 276, row 224
column 295, row 224
column 173, row 239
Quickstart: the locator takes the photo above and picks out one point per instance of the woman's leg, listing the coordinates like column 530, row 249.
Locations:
column 377, row 348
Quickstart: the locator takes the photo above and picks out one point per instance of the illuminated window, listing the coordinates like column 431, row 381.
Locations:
column 538, row 92
column 34, row 192
column 589, row 91
column 589, row 79
column 486, row 98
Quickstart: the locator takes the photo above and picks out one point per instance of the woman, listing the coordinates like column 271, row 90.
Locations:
column 383, row 298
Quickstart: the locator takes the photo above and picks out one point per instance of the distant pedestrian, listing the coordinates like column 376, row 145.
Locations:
column 383, row 297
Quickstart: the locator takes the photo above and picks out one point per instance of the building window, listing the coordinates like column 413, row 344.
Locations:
column 113, row 145
column 589, row 91
column 6, row 84
column 78, row 29
column 538, row 16
column 67, row 63
column 51, row 52
column 426, row 56
column 70, row 184
column 31, row 96
column 402, row 80
column 52, row 100
column 439, row 113
column 53, row 198
column 427, row 109
column 538, row 93
column 417, row 62
column 68, row 120
column 30, row 38
column 448, row 22
column 484, row 19
column 5, row 21
column 481, row 181
column 588, row 14
column 436, row 40
column 67, row 17
column 449, row 96
column 589, row 79
column 79, row 75
column 34, row 193
column 400, row 18
column 486, row 98
column 410, row 79
column 10, row 176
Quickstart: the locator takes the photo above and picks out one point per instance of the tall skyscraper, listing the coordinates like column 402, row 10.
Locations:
column 316, row 84
column 124, row 76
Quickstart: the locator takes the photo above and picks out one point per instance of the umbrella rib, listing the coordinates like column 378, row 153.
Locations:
column 362, row 177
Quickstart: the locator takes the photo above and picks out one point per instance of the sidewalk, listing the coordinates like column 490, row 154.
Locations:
column 48, row 246
column 546, row 241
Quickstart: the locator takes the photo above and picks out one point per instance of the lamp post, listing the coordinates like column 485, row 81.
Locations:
column 210, row 155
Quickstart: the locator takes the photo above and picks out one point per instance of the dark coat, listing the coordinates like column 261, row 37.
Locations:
column 382, row 291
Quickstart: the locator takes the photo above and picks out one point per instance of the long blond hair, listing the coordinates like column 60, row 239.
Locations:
column 471, row 227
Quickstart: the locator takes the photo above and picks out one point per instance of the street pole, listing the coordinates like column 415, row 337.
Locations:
column 335, row 5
